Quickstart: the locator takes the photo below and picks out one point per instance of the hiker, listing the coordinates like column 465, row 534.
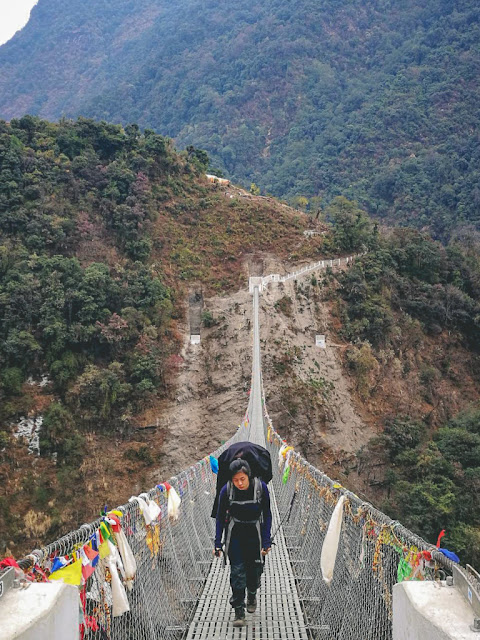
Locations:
column 257, row 457
column 244, row 514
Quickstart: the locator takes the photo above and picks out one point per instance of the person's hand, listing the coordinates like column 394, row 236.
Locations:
column 265, row 551
column 217, row 553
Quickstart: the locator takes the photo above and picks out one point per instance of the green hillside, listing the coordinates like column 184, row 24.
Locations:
column 99, row 228
column 376, row 100
column 409, row 310
column 104, row 229
column 101, row 231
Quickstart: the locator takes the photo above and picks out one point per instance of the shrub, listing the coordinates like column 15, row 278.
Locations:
column 284, row 305
column 12, row 380
column 208, row 320
column 143, row 454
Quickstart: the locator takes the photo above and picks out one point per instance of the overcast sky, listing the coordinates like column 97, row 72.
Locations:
column 13, row 16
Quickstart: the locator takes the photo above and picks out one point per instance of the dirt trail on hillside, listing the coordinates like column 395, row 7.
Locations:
column 214, row 378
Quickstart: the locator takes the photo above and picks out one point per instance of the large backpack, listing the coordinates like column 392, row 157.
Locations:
column 257, row 457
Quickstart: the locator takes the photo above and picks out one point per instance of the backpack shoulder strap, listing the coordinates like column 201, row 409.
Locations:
column 258, row 490
column 230, row 492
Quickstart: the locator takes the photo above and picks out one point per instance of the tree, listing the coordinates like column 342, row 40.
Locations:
column 351, row 226
column 198, row 157
column 99, row 395
column 60, row 436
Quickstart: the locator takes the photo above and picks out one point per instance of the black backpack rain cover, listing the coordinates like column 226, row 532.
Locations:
column 257, row 457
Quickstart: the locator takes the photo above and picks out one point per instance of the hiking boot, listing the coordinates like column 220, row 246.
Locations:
column 239, row 617
column 251, row 603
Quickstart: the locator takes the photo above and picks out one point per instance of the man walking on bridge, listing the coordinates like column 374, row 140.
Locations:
column 244, row 514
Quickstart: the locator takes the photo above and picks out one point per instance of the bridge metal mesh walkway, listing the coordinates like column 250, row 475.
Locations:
column 279, row 614
column 180, row 591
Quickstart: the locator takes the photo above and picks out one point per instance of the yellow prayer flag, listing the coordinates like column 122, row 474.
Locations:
column 103, row 550
column 71, row 574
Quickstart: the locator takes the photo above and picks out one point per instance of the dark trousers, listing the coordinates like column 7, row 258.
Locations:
column 246, row 567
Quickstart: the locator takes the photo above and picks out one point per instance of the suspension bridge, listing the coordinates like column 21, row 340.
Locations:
column 180, row 591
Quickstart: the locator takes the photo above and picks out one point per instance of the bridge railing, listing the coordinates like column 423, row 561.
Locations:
column 374, row 552
column 310, row 268
column 173, row 559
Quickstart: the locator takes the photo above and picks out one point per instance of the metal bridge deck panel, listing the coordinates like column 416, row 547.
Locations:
column 279, row 614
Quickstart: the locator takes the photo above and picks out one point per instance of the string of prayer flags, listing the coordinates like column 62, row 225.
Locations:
column 101, row 545
column 281, row 459
column 119, row 596
column 87, row 567
column 149, row 508
column 127, row 557
column 403, row 570
column 143, row 506
column 450, row 555
column 9, row 561
column 89, row 622
column 153, row 540
column 282, row 455
column 105, row 531
column 59, row 563
column 69, row 574
column 153, row 508
column 440, row 536
column 287, row 455
column 446, row 552
column 412, row 567
column 91, row 554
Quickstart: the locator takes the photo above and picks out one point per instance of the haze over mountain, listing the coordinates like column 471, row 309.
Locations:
column 373, row 99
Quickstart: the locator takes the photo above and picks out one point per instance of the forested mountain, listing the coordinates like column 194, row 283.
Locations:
column 101, row 230
column 104, row 230
column 376, row 100
column 410, row 311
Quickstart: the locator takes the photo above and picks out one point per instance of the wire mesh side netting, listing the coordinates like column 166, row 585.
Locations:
column 173, row 559
column 358, row 601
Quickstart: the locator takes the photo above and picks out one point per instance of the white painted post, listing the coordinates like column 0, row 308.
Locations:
column 43, row 611
column 427, row 610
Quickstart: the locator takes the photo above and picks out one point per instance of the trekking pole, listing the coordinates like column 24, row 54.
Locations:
column 287, row 514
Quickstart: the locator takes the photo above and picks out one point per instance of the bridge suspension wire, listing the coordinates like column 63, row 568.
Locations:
column 181, row 591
